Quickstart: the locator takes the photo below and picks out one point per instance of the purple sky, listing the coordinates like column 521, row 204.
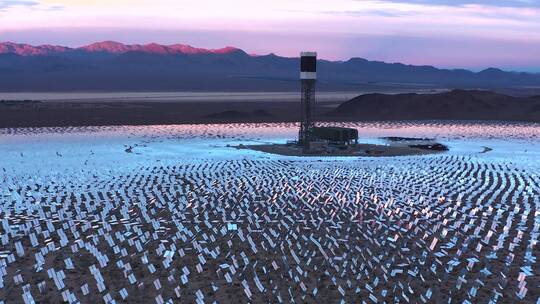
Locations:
column 472, row 34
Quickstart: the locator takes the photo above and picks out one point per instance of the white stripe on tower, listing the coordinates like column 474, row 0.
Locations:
column 308, row 75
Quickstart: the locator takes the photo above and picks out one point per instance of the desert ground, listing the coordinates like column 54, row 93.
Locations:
column 167, row 214
column 170, row 108
column 155, row 108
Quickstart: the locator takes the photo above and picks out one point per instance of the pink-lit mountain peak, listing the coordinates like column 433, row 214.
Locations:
column 153, row 48
column 29, row 50
column 226, row 50
column 109, row 47
column 188, row 49
column 112, row 47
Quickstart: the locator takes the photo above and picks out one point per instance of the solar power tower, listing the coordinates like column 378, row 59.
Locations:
column 308, row 76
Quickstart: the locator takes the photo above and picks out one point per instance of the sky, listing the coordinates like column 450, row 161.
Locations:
column 473, row 34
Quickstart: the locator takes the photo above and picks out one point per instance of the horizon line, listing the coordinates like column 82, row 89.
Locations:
column 233, row 48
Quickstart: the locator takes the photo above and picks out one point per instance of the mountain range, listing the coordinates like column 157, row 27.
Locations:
column 451, row 105
column 107, row 47
column 113, row 66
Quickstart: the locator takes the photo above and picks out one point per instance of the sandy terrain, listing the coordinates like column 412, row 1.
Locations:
column 174, row 96
column 104, row 113
column 359, row 150
column 104, row 109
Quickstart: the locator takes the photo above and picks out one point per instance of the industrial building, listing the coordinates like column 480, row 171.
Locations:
column 336, row 135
